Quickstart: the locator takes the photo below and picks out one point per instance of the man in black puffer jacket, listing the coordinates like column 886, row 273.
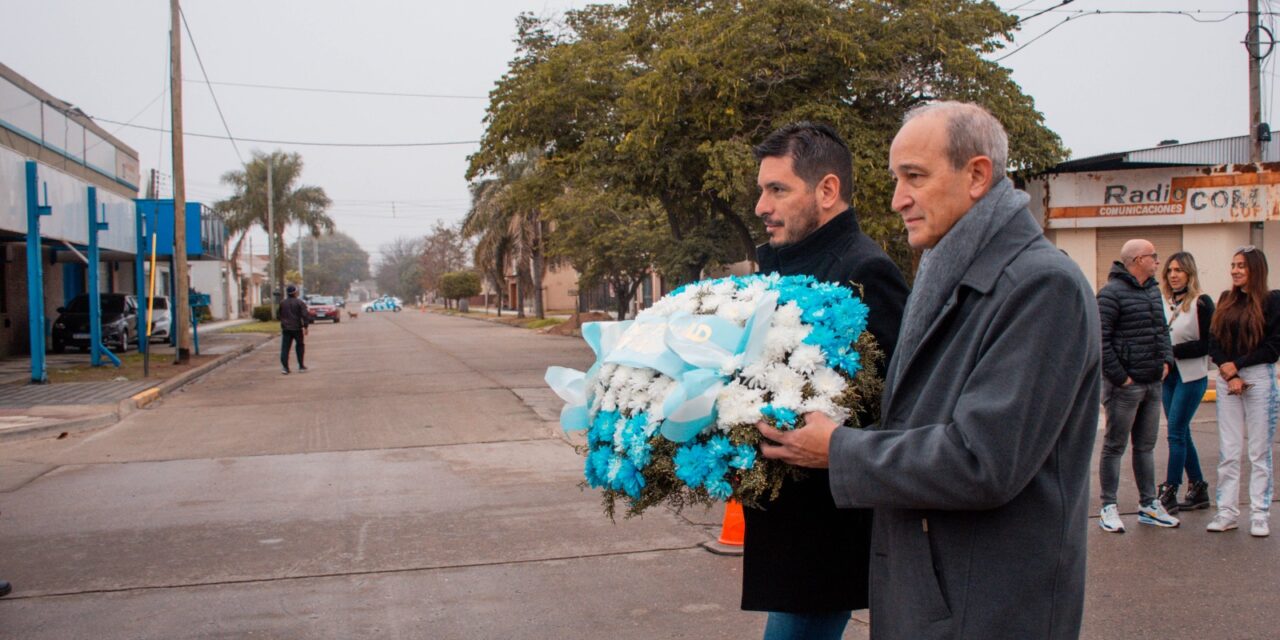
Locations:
column 1136, row 356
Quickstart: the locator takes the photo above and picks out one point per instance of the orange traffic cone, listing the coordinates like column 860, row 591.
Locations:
column 732, row 532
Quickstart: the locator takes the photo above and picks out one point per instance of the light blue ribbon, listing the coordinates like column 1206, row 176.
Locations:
column 694, row 350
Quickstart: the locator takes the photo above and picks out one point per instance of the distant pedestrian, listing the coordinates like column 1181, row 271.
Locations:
column 1189, row 314
column 1245, row 344
column 293, row 328
column 1136, row 357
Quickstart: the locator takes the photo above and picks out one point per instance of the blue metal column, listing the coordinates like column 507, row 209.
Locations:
column 95, row 294
column 35, row 275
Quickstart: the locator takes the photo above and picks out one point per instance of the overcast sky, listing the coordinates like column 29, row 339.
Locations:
column 1104, row 82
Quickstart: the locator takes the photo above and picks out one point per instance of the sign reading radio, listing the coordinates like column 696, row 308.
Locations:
column 1240, row 193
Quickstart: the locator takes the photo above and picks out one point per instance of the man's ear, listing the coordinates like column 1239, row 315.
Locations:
column 980, row 176
column 828, row 191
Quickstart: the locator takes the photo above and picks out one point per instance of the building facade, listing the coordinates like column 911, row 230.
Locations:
column 1197, row 197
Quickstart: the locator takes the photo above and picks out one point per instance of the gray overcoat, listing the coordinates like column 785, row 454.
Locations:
column 979, row 469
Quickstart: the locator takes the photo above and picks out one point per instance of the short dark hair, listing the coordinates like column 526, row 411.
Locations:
column 816, row 150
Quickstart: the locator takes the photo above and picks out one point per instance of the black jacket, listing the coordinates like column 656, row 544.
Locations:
column 1267, row 351
column 293, row 314
column 801, row 553
column 1135, row 336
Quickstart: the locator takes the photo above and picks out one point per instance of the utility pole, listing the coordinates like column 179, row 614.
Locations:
column 182, row 310
column 301, row 264
column 1252, row 42
column 271, row 241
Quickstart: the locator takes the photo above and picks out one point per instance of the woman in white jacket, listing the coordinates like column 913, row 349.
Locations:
column 1189, row 313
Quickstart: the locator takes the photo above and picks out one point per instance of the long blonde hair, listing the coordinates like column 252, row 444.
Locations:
column 1188, row 265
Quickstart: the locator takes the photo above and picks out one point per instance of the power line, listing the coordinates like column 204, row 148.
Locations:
column 393, row 94
column 1044, row 11
column 1077, row 14
column 192, row 40
column 296, row 142
column 1046, row 32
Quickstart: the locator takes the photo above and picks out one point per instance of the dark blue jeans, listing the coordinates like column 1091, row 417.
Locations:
column 1181, row 399
column 288, row 336
column 806, row 626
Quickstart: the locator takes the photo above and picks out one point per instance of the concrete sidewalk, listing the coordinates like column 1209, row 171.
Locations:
column 32, row 410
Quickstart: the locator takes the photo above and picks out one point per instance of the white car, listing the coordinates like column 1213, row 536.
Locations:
column 385, row 303
column 161, row 318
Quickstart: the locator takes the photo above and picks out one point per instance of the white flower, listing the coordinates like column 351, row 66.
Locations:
column 827, row 383
column 786, row 386
column 731, row 365
column 781, row 341
column 806, row 358
column 823, row 405
column 787, row 316
column 737, row 311
column 737, row 405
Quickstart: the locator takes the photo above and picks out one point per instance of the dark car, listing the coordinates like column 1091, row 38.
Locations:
column 119, row 322
column 323, row 308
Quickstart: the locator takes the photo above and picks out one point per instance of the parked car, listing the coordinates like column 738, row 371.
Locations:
column 119, row 323
column 161, row 317
column 323, row 308
column 385, row 303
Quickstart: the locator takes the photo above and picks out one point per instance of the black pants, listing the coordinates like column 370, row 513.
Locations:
column 287, row 337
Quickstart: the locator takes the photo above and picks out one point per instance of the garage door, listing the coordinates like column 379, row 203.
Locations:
column 1168, row 241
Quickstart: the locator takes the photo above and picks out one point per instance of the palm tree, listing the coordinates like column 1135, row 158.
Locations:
column 506, row 215
column 291, row 204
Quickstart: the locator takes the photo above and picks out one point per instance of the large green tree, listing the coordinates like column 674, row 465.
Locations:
column 608, row 236
column 665, row 98
column 291, row 203
column 331, row 262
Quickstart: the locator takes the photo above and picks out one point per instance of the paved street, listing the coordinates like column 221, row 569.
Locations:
column 414, row 485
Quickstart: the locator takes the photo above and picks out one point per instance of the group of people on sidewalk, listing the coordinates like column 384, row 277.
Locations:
column 1158, row 340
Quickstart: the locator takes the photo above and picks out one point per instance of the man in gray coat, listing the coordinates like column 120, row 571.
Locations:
column 979, row 468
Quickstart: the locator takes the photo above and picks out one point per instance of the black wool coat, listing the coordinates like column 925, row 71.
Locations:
column 801, row 553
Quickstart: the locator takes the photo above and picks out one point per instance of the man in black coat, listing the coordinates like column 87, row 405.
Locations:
column 804, row 561
column 294, row 319
column 1136, row 356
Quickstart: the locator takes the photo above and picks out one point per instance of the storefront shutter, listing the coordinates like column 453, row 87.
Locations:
column 1168, row 241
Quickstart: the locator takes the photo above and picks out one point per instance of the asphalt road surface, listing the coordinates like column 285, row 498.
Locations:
column 414, row 484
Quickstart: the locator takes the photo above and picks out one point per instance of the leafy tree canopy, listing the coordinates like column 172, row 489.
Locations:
column 663, row 99
column 331, row 262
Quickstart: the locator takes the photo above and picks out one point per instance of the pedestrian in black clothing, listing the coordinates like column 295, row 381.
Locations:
column 805, row 561
column 293, row 327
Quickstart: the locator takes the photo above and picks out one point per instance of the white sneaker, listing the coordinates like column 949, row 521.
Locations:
column 1259, row 527
column 1221, row 522
column 1109, row 519
column 1153, row 513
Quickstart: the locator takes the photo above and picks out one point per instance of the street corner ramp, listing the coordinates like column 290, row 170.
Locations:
column 70, row 393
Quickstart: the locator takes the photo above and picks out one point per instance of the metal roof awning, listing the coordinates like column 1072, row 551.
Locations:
column 1233, row 150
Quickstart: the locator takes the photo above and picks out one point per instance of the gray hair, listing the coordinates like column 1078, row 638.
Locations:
column 971, row 131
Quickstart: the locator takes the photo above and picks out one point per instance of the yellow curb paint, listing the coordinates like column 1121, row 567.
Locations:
column 1210, row 395
column 146, row 397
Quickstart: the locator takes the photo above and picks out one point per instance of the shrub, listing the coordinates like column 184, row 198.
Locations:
column 460, row 284
column 262, row 313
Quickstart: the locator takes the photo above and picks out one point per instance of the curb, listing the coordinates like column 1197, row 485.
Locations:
column 144, row 398
column 68, row 426
column 130, row 404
